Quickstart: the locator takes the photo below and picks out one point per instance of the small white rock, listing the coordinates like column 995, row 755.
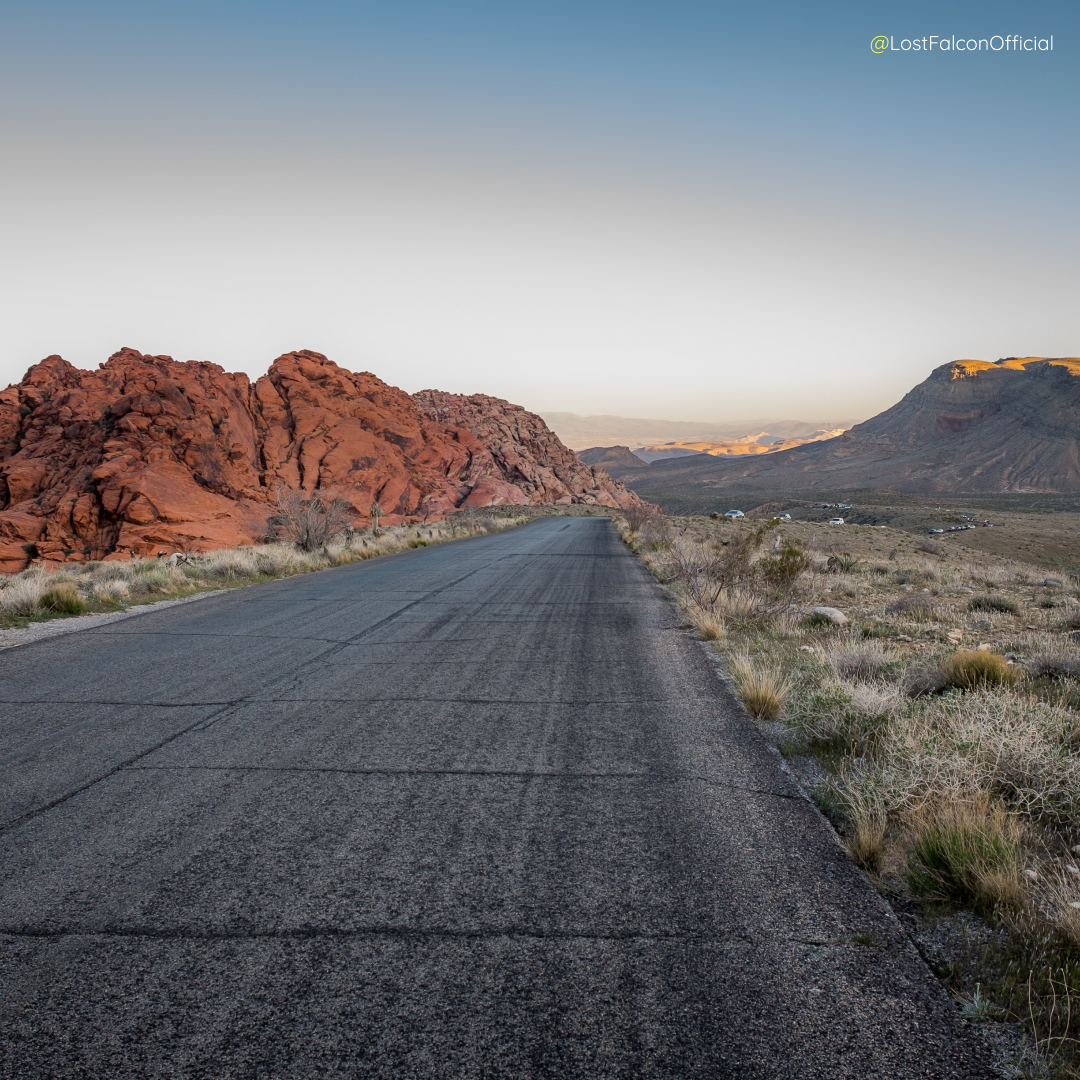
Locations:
column 834, row 615
column 1071, row 869
column 807, row 648
column 1031, row 874
column 1075, row 904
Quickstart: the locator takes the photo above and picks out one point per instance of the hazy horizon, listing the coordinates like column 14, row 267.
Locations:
column 678, row 211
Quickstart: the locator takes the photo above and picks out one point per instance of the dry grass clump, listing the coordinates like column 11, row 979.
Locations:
column 763, row 690
column 977, row 669
column 966, row 852
column 709, row 626
column 1063, row 894
column 866, row 837
column 858, row 659
column 1071, row 619
column 22, row 595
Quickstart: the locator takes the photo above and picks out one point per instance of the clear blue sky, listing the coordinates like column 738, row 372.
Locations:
column 684, row 210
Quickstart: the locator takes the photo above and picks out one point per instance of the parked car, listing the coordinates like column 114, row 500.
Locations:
column 734, row 514
column 836, row 521
column 782, row 517
column 934, row 532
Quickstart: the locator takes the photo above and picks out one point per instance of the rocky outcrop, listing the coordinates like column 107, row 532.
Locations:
column 523, row 460
column 971, row 427
column 148, row 453
column 614, row 460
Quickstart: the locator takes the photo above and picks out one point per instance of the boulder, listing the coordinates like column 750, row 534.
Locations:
column 834, row 615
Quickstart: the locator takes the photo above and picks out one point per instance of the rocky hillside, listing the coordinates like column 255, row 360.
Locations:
column 149, row 453
column 972, row 427
column 614, row 460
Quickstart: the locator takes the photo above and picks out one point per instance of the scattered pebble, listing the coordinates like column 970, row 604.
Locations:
column 1072, row 869
column 807, row 648
column 1031, row 874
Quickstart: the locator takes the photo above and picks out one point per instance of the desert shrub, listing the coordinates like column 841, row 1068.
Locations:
column 931, row 547
column 637, row 514
column 858, row 659
column 1071, row 619
column 969, row 669
column 762, row 690
column 905, row 576
column 781, row 570
column 63, row 598
column 848, row 718
column 918, row 606
column 967, row 853
column 924, row 679
column 311, row 521
column 708, row 569
column 1055, row 664
column 21, row 595
column 993, row 603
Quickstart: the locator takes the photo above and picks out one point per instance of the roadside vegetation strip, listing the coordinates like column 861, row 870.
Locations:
column 930, row 704
column 39, row 594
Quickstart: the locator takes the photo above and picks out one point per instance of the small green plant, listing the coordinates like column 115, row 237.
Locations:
column 980, row 1008
column 1001, row 604
column 64, row 599
column 417, row 543
column 966, row 853
column 979, row 669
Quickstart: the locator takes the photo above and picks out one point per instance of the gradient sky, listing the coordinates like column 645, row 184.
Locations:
column 693, row 211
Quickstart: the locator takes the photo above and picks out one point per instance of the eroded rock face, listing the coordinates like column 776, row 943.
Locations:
column 148, row 453
column 522, row 460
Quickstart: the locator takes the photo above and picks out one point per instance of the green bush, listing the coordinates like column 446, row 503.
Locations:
column 994, row 603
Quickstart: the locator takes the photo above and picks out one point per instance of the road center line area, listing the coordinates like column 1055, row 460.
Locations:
column 481, row 809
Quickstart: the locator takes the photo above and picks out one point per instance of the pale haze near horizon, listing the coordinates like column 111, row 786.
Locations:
column 639, row 220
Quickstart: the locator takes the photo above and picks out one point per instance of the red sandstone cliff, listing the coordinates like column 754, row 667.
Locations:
column 523, row 461
column 149, row 453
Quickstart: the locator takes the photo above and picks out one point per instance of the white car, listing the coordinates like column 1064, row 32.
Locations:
column 836, row 521
column 734, row 514
column 782, row 517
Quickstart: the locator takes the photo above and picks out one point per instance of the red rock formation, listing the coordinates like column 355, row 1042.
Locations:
column 149, row 453
column 522, row 460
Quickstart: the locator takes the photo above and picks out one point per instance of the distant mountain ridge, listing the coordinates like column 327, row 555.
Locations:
column 586, row 432
column 971, row 427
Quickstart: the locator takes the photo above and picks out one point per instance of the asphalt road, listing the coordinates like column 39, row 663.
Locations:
column 479, row 810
